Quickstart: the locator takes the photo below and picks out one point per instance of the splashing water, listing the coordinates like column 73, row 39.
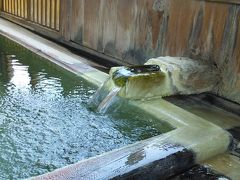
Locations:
column 105, row 100
column 108, row 101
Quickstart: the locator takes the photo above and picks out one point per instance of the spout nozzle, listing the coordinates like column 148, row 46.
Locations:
column 121, row 75
column 144, row 69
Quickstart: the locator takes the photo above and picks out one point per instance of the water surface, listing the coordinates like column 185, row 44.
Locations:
column 45, row 122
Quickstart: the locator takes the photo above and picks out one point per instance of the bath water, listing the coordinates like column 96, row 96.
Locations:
column 45, row 122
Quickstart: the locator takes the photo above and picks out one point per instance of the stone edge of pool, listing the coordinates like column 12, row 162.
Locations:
column 194, row 140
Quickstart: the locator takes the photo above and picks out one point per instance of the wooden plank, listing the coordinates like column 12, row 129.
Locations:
column 27, row 10
column 180, row 33
column 212, row 33
column 77, row 21
column 110, row 27
column 19, row 8
column 9, row 6
column 22, row 8
column 53, row 5
column 228, row 61
column 43, row 12
column 16, row 8
column 65, row 21
column 45, row 7
column 13, row 7
column 57, row 22
column 236, row 54
column 32, row 10
column 1, row 5
column 91, row 18
column 48, row 13
column 100, row 25
column 35, row 5
column 126, row 20
column 147, row 27
column 225, row 1
column 39, row 4
column 5, row 5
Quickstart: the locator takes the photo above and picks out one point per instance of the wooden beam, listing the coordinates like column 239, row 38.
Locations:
column 225, row 1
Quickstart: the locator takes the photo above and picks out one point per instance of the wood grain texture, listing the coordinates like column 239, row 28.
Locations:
column 126, row 19
column 225, row 1
column 133, row 31
column 91, row 22
column 77, row 21
column 109, row 27
column 1, row 5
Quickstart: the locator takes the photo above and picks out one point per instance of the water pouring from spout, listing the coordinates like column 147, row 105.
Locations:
column 107, row 96
column 108, row 101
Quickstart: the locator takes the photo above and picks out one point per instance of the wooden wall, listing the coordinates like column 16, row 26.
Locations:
column 136, row 30
column 45, row 13
column 132, row 31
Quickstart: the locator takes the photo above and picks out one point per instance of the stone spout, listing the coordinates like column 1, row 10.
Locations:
column 163, row 76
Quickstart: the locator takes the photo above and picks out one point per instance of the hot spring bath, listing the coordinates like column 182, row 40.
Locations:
column 45, row 122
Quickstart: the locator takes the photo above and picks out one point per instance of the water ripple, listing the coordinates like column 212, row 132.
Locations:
column 44, row 120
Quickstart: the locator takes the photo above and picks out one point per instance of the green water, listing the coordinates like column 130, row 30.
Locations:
column 45, row 122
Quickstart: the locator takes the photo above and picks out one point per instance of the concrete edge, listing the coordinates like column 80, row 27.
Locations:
column 162, row 156
column 195, row 140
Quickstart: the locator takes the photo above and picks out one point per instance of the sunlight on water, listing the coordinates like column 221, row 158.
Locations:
column 45, row 122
